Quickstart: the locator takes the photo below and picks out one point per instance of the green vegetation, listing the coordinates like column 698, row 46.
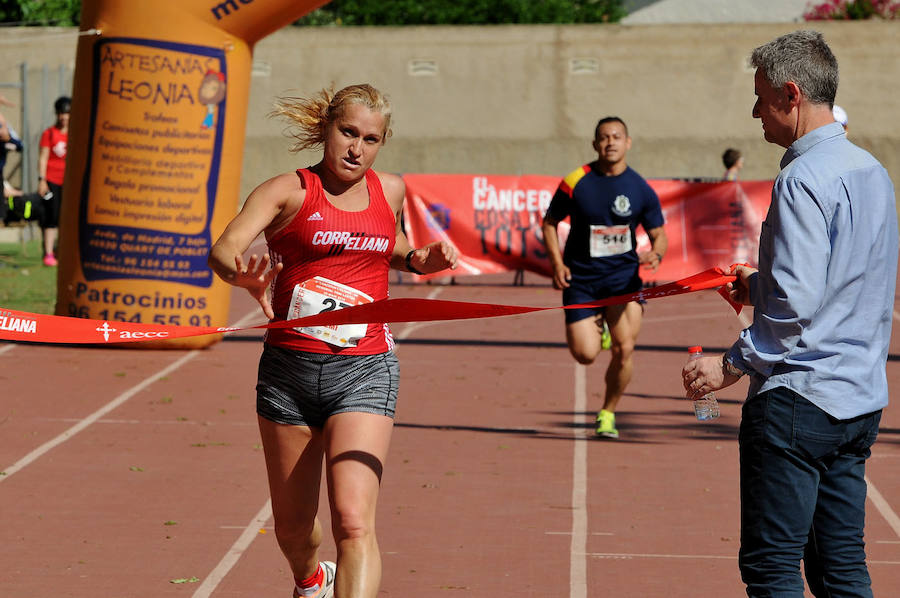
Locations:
column 464, row 12
column 65, row 13
column 59, row 13
column 25, row 283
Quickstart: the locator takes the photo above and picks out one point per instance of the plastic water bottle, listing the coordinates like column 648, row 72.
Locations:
column 706, row 407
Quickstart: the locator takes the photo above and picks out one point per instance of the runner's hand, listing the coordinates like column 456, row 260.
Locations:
column 435, row 257
column 650, row 260
column 561, row 277
column 256, row 278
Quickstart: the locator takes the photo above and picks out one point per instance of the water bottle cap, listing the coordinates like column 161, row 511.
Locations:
column 695, row 349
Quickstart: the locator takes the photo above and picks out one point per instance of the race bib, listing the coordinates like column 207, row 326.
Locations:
column 607, row 241
column 318, row 295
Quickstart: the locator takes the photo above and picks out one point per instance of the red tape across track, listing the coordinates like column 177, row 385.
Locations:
column 24, row 326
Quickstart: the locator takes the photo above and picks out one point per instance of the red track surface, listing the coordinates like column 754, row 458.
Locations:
column 495, row 485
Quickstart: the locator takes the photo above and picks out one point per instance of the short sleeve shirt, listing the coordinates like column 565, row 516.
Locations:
column 57, row 142
column 605, row 212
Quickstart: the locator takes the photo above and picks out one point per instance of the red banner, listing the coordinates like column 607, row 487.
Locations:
column 23, row 326
column 495, row 221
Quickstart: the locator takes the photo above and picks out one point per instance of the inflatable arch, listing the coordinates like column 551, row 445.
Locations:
column 155, row 149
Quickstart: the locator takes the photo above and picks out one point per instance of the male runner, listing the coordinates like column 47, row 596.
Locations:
column 606, row 200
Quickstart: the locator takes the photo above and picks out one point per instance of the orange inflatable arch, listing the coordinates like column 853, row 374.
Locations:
column 156, row 140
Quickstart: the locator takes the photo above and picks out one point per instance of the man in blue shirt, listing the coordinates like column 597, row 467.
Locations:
column 606, row 200
column 817, row 348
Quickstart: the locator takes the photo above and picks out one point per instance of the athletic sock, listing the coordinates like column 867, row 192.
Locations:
column 312, row 584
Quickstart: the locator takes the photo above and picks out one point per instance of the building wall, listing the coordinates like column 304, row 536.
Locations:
column 524, row 99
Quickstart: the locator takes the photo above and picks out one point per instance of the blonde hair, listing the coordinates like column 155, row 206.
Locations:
column 309, row 117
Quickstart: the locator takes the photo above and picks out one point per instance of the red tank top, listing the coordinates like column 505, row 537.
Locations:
column 57, row 141
column 332, row 259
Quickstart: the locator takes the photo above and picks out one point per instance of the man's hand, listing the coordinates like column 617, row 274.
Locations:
column 561, row 276
column 650, row 260
column 704, row 375
column 739, row 290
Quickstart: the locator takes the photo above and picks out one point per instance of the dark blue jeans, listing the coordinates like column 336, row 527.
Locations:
column 803, row 496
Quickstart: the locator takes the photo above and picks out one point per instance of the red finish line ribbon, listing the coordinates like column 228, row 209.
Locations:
column 24, row 326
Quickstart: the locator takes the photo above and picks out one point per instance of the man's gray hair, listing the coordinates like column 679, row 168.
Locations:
column 804, row 58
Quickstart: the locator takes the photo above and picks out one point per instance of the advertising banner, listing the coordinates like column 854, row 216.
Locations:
column 495, row 221
column 155, row 150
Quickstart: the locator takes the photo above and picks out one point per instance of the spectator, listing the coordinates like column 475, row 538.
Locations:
column 51, row 172
column 9, row 142
column 733, row 161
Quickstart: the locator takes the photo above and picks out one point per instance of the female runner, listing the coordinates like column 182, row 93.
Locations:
column 333, row 231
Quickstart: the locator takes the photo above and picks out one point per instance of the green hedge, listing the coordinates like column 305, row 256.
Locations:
column 463, row 12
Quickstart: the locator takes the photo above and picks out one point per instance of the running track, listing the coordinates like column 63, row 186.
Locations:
column 126, row 469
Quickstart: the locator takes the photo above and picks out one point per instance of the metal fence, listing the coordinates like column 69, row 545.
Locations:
column 33, row 95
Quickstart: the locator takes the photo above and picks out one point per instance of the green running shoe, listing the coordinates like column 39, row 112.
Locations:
column 606, row 424
column 605, row 338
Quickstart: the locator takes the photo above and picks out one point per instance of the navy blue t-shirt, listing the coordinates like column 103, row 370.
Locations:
column 604, row 213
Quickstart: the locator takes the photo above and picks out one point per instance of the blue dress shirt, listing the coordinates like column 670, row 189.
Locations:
column 824, row 294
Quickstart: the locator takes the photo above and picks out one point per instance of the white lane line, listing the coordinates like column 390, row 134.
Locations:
column 705, row 557
column 570, row 533
column 634, row 555
column 6, row 348
column 96, row 415
column 883, row 507
column 578, row 546
column 235, row 552
column 31, row 457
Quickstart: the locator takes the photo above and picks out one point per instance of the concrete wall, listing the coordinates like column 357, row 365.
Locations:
column 524, row 99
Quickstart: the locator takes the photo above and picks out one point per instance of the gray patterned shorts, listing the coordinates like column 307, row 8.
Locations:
column 304, row 389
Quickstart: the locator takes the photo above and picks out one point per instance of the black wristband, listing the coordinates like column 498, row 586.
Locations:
column 409, row 265
column 658, row 256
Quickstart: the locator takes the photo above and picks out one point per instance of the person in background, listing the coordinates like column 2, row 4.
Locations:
column 606, row 201
column 840, row 115
column 9, row 142
column 333, row 231
column 733, row 161
column 816, row 351
column 51, row 172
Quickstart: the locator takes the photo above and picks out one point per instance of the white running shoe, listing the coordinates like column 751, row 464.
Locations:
column 326, row 591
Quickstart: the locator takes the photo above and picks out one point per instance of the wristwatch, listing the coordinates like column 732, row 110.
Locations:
column 409, row 265
column 728, row 367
